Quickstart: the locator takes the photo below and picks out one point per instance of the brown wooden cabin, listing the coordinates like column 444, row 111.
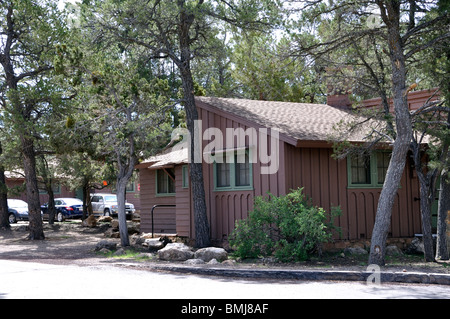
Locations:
column 305, row 160
column 16, row 183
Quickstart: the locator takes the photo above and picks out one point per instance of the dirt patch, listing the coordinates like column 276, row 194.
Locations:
column 70, row 243
column 64, row 243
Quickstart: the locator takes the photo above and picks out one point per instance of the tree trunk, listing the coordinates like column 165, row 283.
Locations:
column 443, row 209
column 390, row 13
column 427, row 181
column 51, row 209
column 202, row 235
column 87, row 207
column 122, row 214
column 442, row 252
column 123, row 176
column 4, row 221
column 202, row 231
column 34, row 206
column 425, row 211
column 386, row 202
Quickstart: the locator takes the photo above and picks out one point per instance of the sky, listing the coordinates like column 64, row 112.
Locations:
column 61, row 3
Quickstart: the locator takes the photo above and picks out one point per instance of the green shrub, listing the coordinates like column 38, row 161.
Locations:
column 287, row 227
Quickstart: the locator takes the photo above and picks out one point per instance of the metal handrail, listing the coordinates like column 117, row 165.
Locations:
column 153, row 208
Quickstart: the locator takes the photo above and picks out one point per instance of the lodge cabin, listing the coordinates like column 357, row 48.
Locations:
column 274, row 147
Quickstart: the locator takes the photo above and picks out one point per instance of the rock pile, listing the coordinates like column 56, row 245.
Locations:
column 182, row 252
column 161, row 246
column 168, row 251
column 113, row 231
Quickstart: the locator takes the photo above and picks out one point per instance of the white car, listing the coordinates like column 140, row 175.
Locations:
column 106, row 205
column 17, row 210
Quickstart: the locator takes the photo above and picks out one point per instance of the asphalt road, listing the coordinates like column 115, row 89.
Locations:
column 26, row 280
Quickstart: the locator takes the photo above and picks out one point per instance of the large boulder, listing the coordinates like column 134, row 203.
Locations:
column 209, row 253
column 393, row 250
column 133, row 228
column 416, row 247
column 104, row 244
column 153, row 243
column 104, row 219
column 355, row 251
column 175, row 252
column 115, row 224
column 194, row 262
column 91, row 221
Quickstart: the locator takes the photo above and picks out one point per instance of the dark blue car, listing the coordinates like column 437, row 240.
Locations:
column 66, row 208
column 17, row 210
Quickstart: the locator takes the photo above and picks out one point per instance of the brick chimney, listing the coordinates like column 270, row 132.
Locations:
column 339, row 87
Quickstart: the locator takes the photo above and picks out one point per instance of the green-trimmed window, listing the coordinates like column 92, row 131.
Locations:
column 242, row 170
column 185, row 177
column 233, row 171
column 130, row 187
column 368, row 170
column 223, row 173
column 383, row 159
column 360, row 169
column 165, row 181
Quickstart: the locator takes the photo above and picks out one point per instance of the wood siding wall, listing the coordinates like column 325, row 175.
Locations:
column 325, row 182
column 164, row 217
column 224, row 208
column 184, row 210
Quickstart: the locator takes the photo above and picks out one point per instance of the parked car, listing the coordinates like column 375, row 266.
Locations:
column 66, row 208
column 106, row 205
column 17, row 210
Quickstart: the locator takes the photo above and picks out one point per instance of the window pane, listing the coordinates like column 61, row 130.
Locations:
column 242, row 170
column 383, row 159
column 185, row 178
column 360, row 167
column 162, row 186
column 223, row 174
column 166, row 181
column 130, row 187
column 170, row 180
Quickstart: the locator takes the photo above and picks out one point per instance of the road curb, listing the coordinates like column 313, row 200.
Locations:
column 307, row 275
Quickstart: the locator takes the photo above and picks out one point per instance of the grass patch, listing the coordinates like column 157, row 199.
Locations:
column 128, row 253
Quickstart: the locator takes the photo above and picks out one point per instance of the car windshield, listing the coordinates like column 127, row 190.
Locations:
column 16, row 203
column 112, row 198
column 73, row 201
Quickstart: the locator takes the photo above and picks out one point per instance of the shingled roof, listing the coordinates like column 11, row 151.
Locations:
column 167, row 158
column 300, row 121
